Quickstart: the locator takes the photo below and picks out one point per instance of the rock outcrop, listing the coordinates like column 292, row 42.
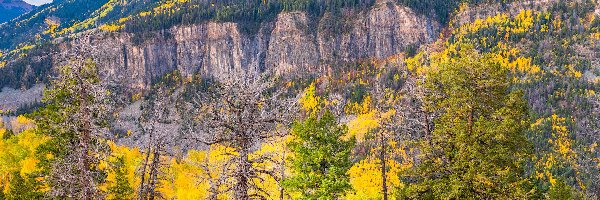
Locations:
column 293, row 42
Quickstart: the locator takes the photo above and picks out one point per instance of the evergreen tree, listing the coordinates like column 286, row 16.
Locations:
column 122, row 190
column 478, row 146
column 321, row 158
column 74, row 119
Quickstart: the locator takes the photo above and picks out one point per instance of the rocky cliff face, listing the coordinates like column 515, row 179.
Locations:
column 292, row 43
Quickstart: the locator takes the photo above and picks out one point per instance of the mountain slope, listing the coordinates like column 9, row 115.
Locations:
column 10, row 9
column 357, row 57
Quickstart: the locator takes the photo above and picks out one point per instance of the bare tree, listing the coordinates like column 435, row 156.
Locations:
column 240, row 113
column 158, row 123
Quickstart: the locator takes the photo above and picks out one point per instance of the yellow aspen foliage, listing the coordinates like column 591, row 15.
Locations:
column 357, row 108
column 595, row 36
column 571, row 71
column 111, row 27
column 28, row 166
column 185, row 179
column 366, row 177
column 362, row 124
column 366, row 118
column 132, row 159
column 415, row 63
column 21, row 123
column 561, row 154
column 278, row 153
column 590, row 93
column 146, row 13
column 52, row 26
column 523, row 21
column 200, row 175
column 2, row 129
column 101, row 12
column 309, row 101
column 17, row 155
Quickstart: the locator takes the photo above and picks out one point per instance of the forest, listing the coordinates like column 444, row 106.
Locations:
column 503, row 107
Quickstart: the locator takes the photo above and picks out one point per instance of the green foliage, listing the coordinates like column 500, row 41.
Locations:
column 321, row 158
column 249, row 13
column 478, row 146
column 24, row 28
column 23, row 188
column 71, row 119
column 33, row 67
column 10, row 13
column 122, row 189
column 560, row 191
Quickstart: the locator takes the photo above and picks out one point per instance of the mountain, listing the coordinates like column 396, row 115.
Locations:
column 252, row 23
column 524, row 73
column 10, row 9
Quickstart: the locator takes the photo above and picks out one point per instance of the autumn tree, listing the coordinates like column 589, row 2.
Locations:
column 120, row 168
column 75, row 119
column 557, row 172
column 240, row 113
column 321, row 158
column 478, row 146
column 18, row 161
column 383, row 134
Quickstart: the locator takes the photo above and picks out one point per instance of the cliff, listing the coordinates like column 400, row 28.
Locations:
column 292, row 43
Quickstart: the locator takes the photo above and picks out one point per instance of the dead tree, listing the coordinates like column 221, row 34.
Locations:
column 158, row 124
column 240, row 113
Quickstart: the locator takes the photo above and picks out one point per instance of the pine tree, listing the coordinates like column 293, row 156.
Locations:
column 321, row 158
column 478, row 146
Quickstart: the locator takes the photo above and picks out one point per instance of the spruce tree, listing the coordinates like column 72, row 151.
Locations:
column 321, row 158
column 122, row 189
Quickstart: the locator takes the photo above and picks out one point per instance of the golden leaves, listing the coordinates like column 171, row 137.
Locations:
column 111, row 27
column 362, row 124
column 309, row 101
column 367, row 180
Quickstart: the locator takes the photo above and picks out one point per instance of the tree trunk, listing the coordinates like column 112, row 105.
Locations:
column 243, row 169
column 142, row 192
column 85, row 178
column 383, row 167
column 154, row 174
column 281, row 189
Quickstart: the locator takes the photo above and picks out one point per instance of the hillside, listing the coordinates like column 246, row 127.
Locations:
column 291, row 99
column 11, row 9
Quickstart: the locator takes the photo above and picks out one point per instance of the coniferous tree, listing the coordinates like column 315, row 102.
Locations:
column 321, row 158
column 122, row 189
column 478, row 146
column 75, row 120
